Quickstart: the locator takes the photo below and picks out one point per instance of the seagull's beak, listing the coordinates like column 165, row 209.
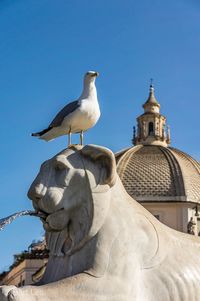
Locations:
column 95, row 74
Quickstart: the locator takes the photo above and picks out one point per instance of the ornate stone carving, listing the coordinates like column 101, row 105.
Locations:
column 191, row 226
column 103, row 244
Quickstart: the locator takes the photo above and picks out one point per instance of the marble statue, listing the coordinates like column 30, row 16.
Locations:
column 104, row 246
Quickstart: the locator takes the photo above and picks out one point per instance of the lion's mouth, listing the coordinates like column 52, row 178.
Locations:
column 41, row 214
column 58, row 232
column 55, row 221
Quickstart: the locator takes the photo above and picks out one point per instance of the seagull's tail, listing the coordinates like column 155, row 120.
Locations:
column 39, row 134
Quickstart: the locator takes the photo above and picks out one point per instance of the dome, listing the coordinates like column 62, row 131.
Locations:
column 154, row 173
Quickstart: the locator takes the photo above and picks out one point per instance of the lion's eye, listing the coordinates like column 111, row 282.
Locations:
column 60, row 166
column 61, row 174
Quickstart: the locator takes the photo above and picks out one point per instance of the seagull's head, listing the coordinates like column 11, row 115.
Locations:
column 90, row 76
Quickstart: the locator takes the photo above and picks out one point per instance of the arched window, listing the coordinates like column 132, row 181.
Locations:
column 151, row 129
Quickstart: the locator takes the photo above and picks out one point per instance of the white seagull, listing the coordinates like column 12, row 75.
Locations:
column 77, row 116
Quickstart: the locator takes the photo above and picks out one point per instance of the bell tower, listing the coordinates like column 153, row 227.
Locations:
column 151, row 125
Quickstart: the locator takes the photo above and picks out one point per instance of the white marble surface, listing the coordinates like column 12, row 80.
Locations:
column 105, row 246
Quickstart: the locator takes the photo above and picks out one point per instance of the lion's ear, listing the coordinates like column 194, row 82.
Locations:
column 105, row 158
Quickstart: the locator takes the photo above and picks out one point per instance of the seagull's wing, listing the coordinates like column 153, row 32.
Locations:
column 68, row 109
column 57, row 121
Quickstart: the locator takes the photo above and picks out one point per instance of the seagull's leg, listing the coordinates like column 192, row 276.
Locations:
column 81, row 137
column 69, row 137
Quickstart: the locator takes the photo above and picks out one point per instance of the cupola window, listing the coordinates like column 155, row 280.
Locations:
column 151, row 129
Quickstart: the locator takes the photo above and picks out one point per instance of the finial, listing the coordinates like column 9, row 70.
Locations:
column 168, row 134
column 151, row 102
column 134, row 136
column 151, row 85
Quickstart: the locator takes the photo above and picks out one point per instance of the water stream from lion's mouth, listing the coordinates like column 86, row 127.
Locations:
column 9, row 219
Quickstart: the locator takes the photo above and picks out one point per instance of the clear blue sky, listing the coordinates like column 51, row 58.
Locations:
column 45, row 48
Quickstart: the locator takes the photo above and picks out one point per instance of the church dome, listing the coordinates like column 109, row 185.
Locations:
column 152, row 173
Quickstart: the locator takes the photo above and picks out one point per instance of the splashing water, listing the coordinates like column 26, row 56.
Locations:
column 9, row 219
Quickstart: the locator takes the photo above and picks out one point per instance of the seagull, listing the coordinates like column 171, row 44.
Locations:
column 77, row 116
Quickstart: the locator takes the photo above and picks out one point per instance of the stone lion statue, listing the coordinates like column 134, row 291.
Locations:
column 104, row 246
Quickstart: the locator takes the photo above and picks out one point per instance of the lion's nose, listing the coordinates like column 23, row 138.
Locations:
column 36, row 192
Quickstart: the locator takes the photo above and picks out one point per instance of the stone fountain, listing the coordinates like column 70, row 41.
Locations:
column 103, row 244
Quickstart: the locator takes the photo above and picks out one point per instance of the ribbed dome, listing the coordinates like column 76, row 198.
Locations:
column 157, row 173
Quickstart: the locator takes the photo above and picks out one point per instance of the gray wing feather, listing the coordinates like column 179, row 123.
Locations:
column 68, row 109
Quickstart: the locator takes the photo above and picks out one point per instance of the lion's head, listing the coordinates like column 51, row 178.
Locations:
column 73, row 190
